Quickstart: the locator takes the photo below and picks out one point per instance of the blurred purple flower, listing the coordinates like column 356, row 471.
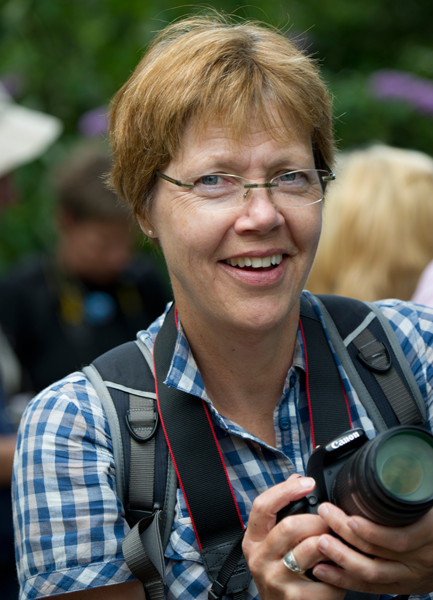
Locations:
column 400, row 85
column 12, row 83
column 94, row 122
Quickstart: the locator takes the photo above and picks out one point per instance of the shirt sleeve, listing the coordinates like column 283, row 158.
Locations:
column 69, row 523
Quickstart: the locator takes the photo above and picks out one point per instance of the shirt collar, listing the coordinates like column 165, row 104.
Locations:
column 184, row 374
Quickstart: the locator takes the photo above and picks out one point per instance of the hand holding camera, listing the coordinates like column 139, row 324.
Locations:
column 388, row 479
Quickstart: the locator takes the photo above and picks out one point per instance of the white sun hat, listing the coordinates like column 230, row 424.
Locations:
column 24, row 133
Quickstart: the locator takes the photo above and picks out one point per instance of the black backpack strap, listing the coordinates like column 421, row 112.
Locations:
column 145, row 478
column 202, row 475
column 324, row 386
column 374, row 362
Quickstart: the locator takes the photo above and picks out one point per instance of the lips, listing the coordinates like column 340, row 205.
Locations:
column 255, row 262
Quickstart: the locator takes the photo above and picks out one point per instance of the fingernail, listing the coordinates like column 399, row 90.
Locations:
column 319, row 571
column 323, row 544
column 323, row 510
column 307, row 482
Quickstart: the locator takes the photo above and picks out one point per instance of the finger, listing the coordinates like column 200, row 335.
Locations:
column 374, row 539
column 266, row 506
column 397, row 539
column 297, row 584
column 365, row 567
column 348, row 529
column 279, row 582
column 306, row 554
column 351, row 570
column 300, row 531
column 287, row 534
column 338, row 522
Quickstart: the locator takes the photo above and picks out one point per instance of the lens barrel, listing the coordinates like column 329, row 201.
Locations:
column 389, row 480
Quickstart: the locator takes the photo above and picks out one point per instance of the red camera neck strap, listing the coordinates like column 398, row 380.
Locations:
column 327, row 401
column 201, row 471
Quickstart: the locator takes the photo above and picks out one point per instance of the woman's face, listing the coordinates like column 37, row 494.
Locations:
column 204, row 246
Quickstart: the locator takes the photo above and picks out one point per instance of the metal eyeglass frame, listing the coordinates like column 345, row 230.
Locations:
column 248, row 186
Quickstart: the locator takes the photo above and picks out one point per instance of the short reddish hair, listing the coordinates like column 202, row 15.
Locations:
column 207, row 68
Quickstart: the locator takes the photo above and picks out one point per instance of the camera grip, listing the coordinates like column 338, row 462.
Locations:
column 306, row 505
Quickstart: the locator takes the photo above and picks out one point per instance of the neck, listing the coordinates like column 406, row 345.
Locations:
column 244, row 372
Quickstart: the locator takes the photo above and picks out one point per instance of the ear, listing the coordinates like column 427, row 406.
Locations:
column 146, row 227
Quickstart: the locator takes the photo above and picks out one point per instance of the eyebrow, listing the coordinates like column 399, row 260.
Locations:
column 232, row 165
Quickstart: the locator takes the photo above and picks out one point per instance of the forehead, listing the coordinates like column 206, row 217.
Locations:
column 282, row 140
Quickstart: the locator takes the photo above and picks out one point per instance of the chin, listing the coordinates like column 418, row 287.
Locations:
column 262, row 317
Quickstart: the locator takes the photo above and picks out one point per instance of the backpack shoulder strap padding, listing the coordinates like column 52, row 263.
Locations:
column 374, row 361
column 403, row 362
column 125, row 385
column 124, row 381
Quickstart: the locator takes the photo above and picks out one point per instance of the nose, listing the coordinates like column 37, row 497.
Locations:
column 259, row 212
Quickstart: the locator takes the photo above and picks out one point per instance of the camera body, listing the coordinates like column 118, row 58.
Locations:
column 323, row 466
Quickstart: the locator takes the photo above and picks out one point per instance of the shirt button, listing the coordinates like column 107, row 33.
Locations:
column 284, row 423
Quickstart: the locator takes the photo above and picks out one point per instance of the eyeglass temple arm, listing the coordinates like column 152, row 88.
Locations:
column 329, row 177
column 171, row 180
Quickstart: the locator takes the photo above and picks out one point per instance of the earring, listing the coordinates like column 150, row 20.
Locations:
column 149, row 232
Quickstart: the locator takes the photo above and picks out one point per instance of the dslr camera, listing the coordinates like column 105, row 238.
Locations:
column 388, row 479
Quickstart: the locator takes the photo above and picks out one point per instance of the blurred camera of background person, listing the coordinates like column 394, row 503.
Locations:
column 93, row 292
column 25, row 134
column 378, row 223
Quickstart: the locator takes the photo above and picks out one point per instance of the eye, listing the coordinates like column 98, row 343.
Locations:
column 292, row 177
column 216, row 185
column 210, row 180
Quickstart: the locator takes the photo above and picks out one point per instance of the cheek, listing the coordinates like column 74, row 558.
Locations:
column 170, row 213
column 306, row 227
column 181, row 223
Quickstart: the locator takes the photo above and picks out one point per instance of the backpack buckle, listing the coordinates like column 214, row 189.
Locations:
column 142, row 423
column 375, row 356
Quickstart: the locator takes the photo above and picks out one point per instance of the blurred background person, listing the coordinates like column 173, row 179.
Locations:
column 24, row 135
column 61, row 310
column 378, row 223
column 424, row 290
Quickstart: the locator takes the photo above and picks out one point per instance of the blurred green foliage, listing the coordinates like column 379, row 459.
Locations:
column 68, row 57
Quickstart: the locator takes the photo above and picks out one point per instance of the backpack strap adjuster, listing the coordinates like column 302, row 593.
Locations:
column 375, row 356
column 142, row 422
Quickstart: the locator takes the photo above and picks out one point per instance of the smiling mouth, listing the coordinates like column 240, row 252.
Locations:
column 254, row 262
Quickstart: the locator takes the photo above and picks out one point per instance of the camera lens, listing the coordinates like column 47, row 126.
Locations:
column 390, row 479
column 402, row 462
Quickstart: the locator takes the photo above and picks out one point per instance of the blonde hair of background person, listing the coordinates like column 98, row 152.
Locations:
column 377, row 235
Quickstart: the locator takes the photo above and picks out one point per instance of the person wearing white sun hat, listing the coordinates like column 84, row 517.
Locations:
column 25, row 134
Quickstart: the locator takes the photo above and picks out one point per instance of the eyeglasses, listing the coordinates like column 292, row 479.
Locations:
column 294, row 189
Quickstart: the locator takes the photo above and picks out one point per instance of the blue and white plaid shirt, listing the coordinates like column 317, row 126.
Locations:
column 69, row 522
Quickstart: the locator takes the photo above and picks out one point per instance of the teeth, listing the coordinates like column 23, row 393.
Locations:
column 255, row 262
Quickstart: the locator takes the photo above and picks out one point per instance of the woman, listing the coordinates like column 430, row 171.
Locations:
column 380, row 203
column 222, row 139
